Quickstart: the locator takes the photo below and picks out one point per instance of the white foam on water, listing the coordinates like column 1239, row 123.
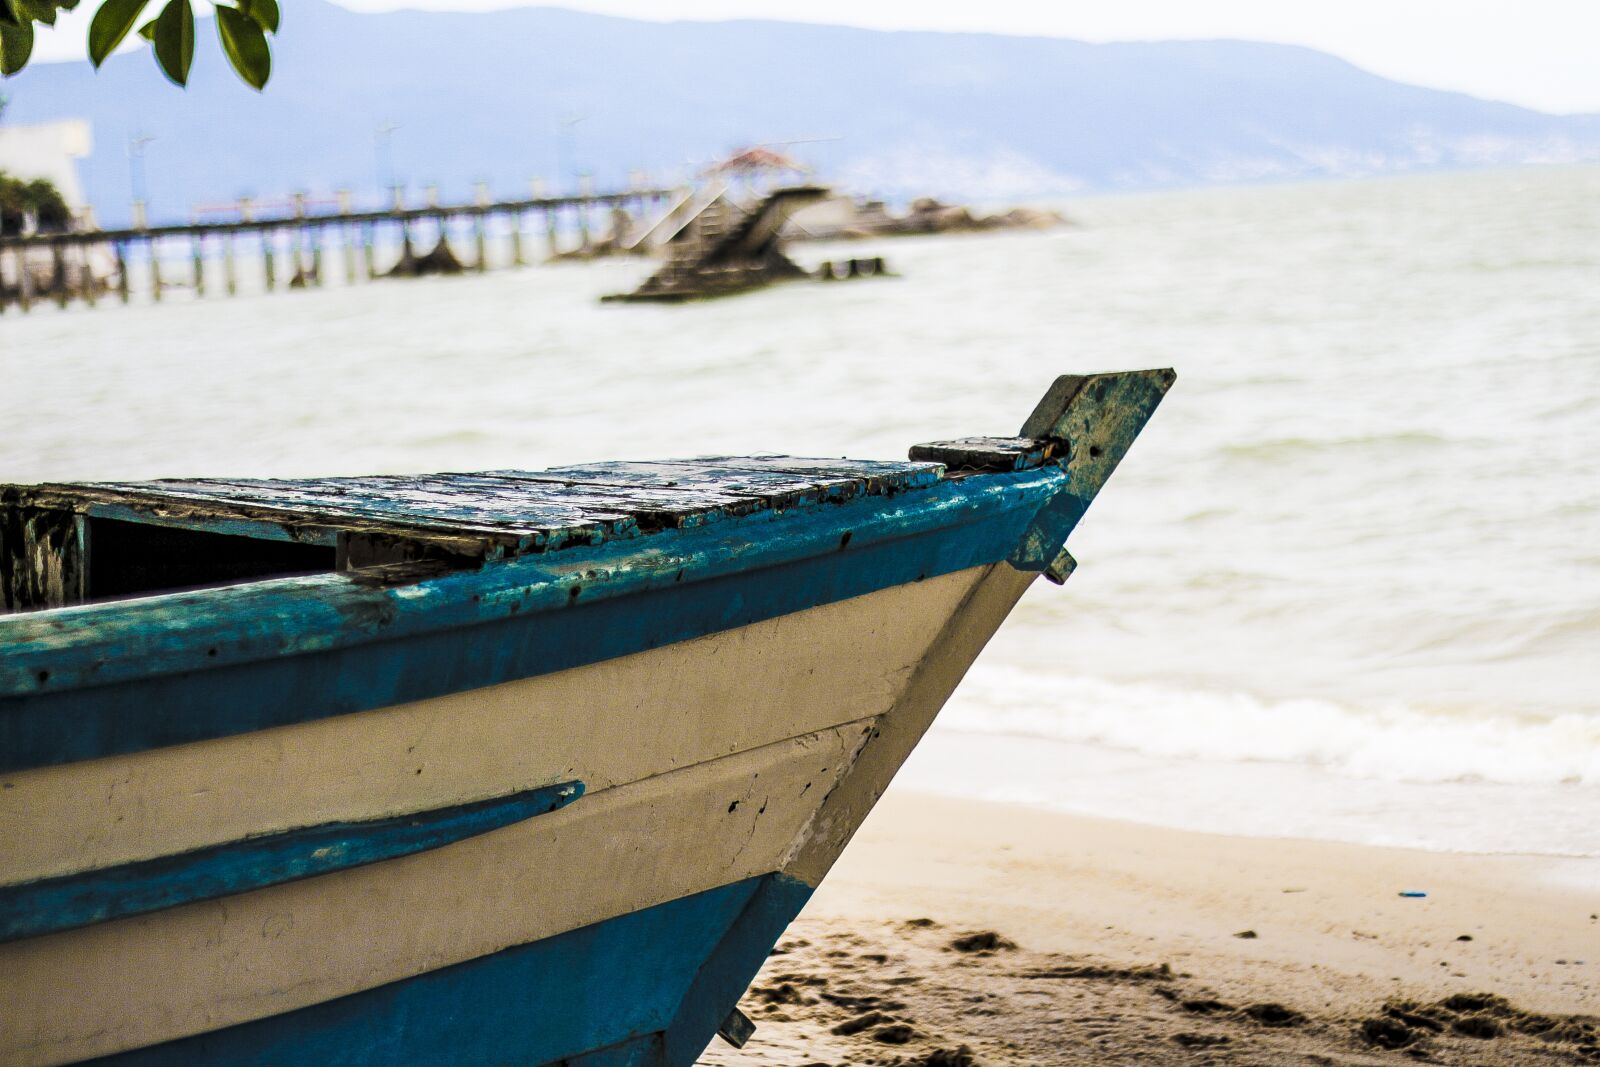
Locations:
column 1258, row 799
column 1237, row 763
column 1391, row 742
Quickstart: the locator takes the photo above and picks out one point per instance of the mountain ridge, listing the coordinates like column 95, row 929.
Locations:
column 488, row 95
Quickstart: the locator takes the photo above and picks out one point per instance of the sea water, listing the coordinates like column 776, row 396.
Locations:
column 1347, row 584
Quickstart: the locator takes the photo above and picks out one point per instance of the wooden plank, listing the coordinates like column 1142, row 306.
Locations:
column 525, row 502
column 395, row 519
column 810, row 482
column 452, row 498
column 651, row 506
column 359, row 541
column 880, row 476
column 428, row 518
column 780, row 488
column 550, row 518
column 235, row 526
column 670, row 474
column 766, row 489
column 335, row 506
column 989, row 453
column 173, row 504
column 43, row 557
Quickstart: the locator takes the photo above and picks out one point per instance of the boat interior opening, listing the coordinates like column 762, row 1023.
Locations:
column 128, row 559
column 52, row 558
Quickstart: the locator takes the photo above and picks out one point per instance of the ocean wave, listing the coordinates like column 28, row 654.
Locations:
column 1285, row 447
column 1391, row 742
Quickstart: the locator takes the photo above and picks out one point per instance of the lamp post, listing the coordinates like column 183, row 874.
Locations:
column 136, row 144
column 385, row 158
column 567, row 149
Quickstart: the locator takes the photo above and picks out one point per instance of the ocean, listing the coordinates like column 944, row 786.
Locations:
column 1346, row 586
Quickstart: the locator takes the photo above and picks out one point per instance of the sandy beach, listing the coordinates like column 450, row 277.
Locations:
column 955, row 933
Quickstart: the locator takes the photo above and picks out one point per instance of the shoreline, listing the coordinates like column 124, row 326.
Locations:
column 1253, row 798
column 1099, row 940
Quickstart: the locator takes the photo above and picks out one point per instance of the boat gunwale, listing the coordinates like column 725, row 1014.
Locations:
column 91, row 645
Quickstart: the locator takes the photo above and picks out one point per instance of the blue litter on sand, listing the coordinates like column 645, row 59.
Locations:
column 1412, row 893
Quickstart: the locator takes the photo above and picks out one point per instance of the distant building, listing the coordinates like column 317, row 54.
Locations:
column 50, row 150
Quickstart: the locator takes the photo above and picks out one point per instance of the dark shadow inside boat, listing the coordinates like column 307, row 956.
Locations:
column 134, row 559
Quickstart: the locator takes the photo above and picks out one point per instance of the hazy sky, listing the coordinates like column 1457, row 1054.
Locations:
column 1540, row 53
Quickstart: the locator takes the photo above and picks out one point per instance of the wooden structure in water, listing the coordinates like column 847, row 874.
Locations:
column 296, row 250
column 728, row 248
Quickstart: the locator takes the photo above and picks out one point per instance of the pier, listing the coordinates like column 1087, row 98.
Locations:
column 722, row 247
column 303, row 249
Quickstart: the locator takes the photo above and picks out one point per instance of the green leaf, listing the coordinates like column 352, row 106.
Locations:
column 8, row 16
column 38, row 10
column 16, row 45
column 263, row 12
column 174, row 40
column 110, row 25
column 148, row 30
column 245, row 45
column 67, row 5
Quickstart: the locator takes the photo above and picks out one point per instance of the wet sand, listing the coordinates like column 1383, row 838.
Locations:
column 954, row 934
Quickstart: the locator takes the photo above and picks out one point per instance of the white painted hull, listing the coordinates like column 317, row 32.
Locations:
column 750, row 751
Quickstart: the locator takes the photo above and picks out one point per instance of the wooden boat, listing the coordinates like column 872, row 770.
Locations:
column 507, row 767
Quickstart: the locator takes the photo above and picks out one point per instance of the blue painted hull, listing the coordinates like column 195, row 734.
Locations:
column 647, row 989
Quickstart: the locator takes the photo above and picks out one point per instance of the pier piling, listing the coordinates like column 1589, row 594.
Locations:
column 122, row 271
column 348, row 243
column 230, row 274
column 91, row 285
column 58, row 275
column 197, row 252
column 24, row 282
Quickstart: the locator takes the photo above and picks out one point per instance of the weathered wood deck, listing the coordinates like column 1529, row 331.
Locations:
column 71, row 543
